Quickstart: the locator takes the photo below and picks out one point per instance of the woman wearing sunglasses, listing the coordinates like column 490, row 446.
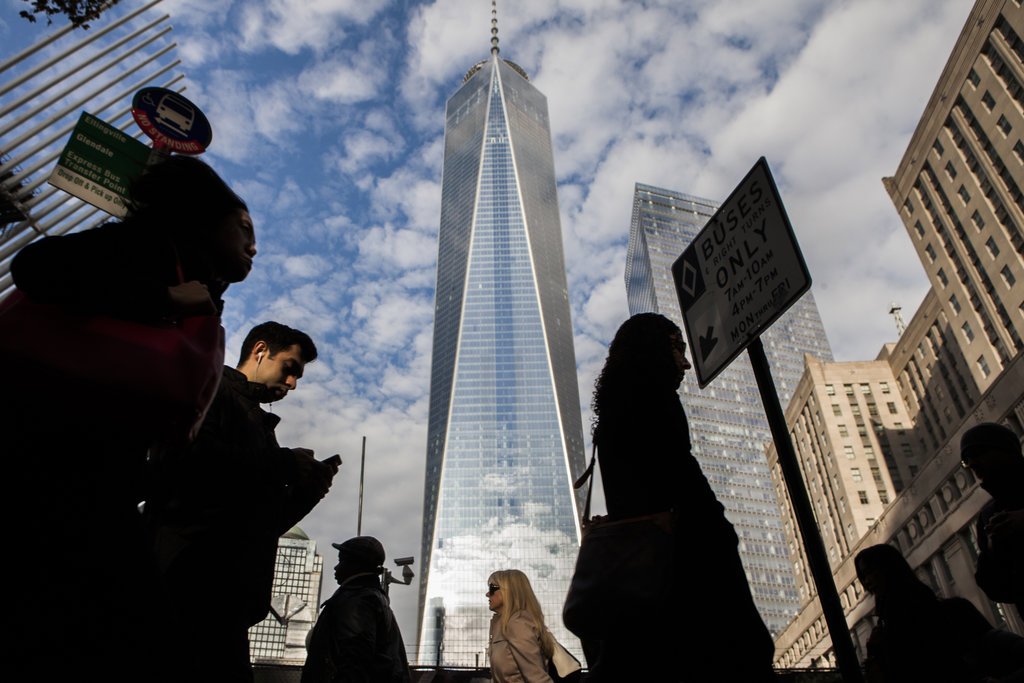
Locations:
column 520, row 646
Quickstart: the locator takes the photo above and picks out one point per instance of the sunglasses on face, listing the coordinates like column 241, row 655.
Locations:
column 492, row 588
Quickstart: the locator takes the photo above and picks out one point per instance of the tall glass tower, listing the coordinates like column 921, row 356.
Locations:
column 505, row 434
column 728, row 426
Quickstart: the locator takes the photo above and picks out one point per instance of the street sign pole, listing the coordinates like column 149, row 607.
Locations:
column 817, row 560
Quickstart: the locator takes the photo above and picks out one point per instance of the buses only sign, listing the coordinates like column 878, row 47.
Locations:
column 740, row 273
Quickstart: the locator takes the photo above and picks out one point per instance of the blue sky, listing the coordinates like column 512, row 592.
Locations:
column 328, row 116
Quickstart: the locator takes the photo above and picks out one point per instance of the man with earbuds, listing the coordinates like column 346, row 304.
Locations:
column 218, row 506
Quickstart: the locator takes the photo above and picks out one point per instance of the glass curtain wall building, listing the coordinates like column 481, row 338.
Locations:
column 505, row 431
column 728, row 426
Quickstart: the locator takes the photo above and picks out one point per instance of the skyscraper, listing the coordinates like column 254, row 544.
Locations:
column 728, row 426
column 505, row 434
column 280, row 639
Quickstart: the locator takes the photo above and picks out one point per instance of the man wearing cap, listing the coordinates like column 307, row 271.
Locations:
column 993, row 453
column 356, row 637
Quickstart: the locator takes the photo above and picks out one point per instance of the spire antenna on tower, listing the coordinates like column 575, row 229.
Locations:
column 896, row 311
column 494, row 27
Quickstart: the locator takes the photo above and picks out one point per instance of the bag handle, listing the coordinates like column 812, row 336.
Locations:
column 587, row 474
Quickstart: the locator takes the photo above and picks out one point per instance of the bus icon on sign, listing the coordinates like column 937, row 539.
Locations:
column 176, row 113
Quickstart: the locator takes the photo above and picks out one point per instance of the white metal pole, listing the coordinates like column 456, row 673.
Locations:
column 49, row 84
column 72, row 107
column 67, row 129
column 40, row 107
column 10, row 85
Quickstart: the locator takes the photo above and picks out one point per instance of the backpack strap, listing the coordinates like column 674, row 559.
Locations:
column 587, row 474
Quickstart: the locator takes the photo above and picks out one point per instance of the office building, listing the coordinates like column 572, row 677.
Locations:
column 960, row 360
column 728, row 426
column 504, row 435
column 958, row 188
column 280, row 639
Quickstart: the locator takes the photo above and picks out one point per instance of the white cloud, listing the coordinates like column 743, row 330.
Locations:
column 307, row 266
column 292, row 25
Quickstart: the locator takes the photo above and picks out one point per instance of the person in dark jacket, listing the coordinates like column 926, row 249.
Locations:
column 647, row 466
column 73, row 466
column 356, row 637
column 920, row 637
column 219, row 505
column 993, row 453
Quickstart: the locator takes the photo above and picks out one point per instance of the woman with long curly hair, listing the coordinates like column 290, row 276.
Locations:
column 520, row 645
column 707, row 627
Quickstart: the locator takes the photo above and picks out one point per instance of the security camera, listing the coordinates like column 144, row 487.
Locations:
column 404, row 561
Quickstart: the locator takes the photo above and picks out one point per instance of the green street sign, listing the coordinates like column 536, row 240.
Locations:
column 98, row 164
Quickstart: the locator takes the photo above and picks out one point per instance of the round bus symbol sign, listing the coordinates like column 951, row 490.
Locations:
column 171, row 121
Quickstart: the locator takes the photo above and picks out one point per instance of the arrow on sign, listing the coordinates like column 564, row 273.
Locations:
column 707, row 342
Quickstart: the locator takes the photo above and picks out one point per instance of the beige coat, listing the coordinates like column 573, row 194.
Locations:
column 516, row 656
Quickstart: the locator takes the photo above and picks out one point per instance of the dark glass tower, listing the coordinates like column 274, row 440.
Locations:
column 728, row 426
column 505, row 433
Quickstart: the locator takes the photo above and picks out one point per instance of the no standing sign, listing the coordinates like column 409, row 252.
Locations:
column 740, row 273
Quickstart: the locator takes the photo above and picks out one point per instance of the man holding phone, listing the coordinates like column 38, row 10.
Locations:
column 218, row 506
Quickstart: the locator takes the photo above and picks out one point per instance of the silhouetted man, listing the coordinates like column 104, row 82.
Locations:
column 219, row 506
column 993, row 453
column 356, row 637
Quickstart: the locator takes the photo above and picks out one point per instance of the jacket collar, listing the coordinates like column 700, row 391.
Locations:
column 253, row 392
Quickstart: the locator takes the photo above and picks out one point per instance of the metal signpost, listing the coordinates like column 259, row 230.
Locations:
column 737, row 277
column 98, row 164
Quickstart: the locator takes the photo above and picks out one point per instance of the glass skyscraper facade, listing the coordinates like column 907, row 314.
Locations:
column 505, row 431
column 728, row 426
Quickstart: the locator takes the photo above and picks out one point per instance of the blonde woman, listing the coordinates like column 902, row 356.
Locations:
column 520, row 646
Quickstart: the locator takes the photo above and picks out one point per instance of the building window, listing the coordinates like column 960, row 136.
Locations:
column 937, row 146
column 885, row 387
column 918, row 228
column 968, row 332
column 843, row 431
column 979, row 222
column 1004, row 125
column 836, row 409
column 988, row 100
column 830, row 390
column 955, row 304
column 974, row 78
column 863, row 496
column 855, row 474
column 942, row 277
column 992, row 247
column 908, row 206
column 892, row 407
column 950, row 170
column 931, row 253
column 1008, row 276
column 964, row 194
column 884, row 497
column 849, row 389
column 983, row 366
column 1018, row 149
column 848, row 452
